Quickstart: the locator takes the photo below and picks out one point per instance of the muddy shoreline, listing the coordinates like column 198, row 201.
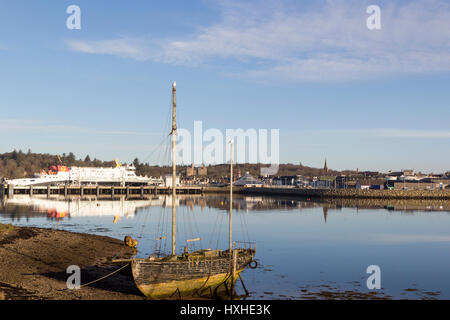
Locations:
column 33, row 264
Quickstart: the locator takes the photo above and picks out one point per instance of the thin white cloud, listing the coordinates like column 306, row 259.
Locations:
column 386, row 132
column 409, row 238
column 411, row 133
column 25, row 125
column 328, row 42
column 123, row 47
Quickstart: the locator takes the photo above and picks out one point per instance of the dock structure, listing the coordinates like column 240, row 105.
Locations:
column 349, row 193
column 99, row 191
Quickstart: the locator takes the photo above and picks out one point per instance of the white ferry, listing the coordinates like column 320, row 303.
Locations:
column 61, row 175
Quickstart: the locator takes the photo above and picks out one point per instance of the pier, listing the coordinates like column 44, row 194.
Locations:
column 348, row 193
column 144, row 191
column 82, row 190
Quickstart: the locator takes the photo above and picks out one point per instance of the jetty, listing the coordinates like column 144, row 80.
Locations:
column 348, row 193
column 82, row 190
column 137, row 192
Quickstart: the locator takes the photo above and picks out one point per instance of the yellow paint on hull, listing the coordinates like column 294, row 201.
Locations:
column 186, row 287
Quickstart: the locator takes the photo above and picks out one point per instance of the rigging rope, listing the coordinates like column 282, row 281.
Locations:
column 220, row 229
column 213, row 231
column 164, row 135
column 166, row 225
column 196, row 227
column 157, row 231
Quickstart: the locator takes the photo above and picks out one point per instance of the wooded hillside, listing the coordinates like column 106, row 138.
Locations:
column 18, row 164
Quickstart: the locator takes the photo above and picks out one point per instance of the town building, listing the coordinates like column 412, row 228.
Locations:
column 248, row 180
column 202, row 171
column 190, row 171
column 284, row 180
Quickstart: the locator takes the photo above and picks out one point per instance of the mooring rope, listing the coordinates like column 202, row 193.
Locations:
column 102, row 278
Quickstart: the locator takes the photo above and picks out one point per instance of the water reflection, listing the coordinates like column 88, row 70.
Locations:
column 307, row 249
column 59, row 207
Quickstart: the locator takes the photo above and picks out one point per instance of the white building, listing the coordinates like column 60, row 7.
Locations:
column 168, row 181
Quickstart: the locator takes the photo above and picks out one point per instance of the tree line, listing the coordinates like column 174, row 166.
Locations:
column 19, row 164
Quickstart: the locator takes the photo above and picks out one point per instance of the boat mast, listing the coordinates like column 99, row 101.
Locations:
column 174, row 169
column 231, row 196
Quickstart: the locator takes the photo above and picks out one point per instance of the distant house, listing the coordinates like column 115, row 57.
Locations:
column 324, row 182
column 284, row 180
column 247, row 180
column 395, row 174
column 190, row 171
column 408, row 172
column 202, row 171
column 344, row 182
column 301, row 181
column 416, row 185
column 353, row 185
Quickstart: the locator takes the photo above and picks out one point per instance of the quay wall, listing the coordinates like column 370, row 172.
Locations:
column 9, row 191
column 350, row 193
column 226, row 189
column 129, row 191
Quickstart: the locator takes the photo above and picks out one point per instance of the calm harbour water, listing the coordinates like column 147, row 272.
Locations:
column 304, row 249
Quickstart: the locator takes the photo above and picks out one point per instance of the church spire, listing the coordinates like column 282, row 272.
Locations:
column 325, row 167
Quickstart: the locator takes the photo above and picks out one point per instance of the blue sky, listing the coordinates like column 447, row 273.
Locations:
column 367, row 99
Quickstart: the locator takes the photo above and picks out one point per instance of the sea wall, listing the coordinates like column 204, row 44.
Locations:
column 350, row 193
column 225, row 189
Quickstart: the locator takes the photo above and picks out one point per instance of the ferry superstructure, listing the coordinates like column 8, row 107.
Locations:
column 61, row 175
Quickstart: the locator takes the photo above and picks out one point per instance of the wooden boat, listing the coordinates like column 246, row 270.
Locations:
column 201, row 272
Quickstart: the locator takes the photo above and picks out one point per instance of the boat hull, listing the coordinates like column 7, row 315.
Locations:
column 197, row 277
column 182, row 288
